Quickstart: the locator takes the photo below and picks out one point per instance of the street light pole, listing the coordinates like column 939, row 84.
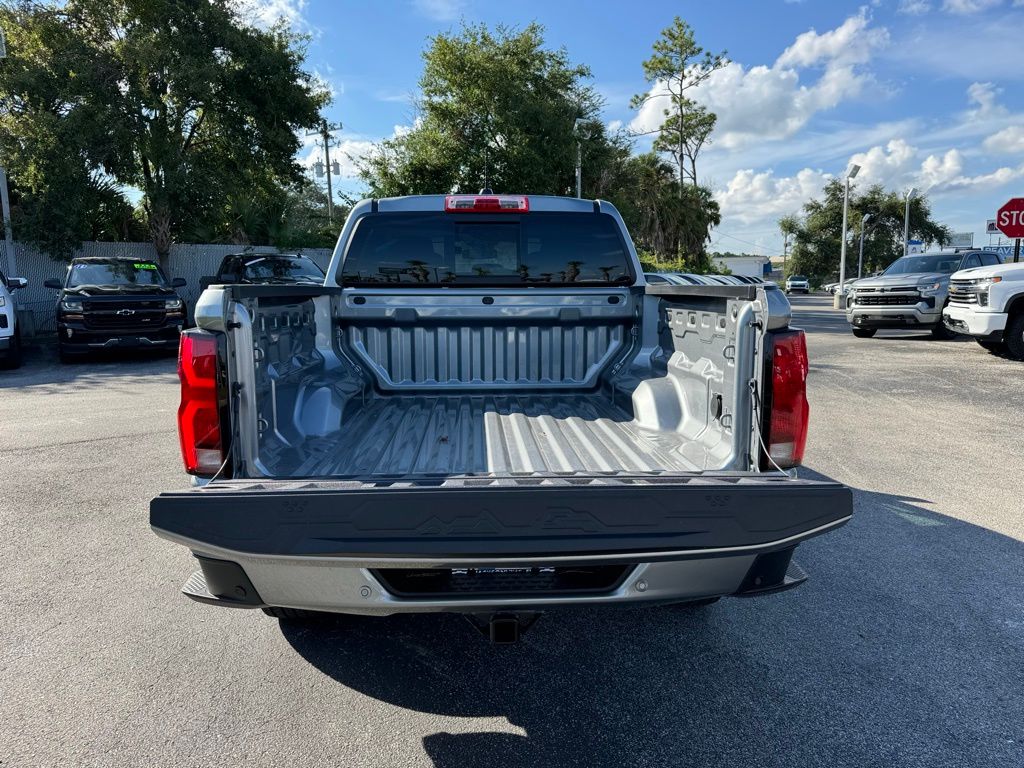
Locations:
column 579, row 128
column 906, row 220
column 841, row 293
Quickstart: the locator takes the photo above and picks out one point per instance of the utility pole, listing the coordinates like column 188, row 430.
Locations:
column 5, row 201
column 324, row 132
column 5, row 204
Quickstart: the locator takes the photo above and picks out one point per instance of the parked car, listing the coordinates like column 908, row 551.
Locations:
column 484, row 410
column 911, row 293
column 116, row 302
column 262, row 268
column 798, row 283
column 10, row 333
column 988, row 303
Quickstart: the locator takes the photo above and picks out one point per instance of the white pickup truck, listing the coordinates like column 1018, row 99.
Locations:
column 988, row 304
column 485, row 409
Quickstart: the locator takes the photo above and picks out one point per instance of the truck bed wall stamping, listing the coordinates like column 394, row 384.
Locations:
column 525, row 521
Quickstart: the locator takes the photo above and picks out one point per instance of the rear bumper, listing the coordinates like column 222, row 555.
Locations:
column 971, row 322
column 324, row 549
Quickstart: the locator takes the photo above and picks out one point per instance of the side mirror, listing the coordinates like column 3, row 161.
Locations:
column 178, row 282
column 15, row 283
column 53, row 283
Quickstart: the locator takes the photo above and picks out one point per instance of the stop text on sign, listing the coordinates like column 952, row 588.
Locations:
column 1010, row 218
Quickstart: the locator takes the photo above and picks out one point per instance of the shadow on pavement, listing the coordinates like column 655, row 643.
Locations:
column 904, row 648
column 41, row 367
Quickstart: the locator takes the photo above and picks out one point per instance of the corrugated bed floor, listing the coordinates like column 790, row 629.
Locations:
column 453, row 435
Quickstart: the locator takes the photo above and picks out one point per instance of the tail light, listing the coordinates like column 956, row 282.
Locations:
column 486, row 204
column 199, row 412
column 784, row 421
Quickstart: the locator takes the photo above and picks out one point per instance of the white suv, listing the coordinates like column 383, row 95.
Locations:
column 797, row 283
column 10, row 337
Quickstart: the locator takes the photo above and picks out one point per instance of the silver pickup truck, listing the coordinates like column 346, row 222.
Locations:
column 484, row 409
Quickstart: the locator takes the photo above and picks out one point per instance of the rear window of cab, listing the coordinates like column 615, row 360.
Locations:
column 473, row 249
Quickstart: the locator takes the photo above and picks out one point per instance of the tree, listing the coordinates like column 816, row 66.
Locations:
column 670, row 229
column 184, row 100
column 677, row 65
column 818, row 234
column 496, row 109
column 54, row 138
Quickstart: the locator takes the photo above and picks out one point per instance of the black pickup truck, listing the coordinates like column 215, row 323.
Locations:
column 263, row 269
column 114, row 302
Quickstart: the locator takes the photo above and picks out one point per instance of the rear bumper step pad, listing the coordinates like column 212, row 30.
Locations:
column 506, row 522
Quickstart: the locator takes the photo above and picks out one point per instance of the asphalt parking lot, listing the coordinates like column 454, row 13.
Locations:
column 906, row 647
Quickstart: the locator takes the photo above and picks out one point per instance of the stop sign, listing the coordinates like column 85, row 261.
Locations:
column 1010, row 218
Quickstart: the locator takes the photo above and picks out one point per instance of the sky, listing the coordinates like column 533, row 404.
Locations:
column 924, row 93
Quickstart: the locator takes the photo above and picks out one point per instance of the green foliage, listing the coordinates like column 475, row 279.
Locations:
column 818, row 232
column 677, row 65
column 497, row 109
column 180, row 100
column 670, row 223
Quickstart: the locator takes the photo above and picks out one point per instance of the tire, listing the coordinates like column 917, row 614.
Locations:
column 941, row 333
column 864, row 333
column 297, row 614
column 13, row 359
column 67, row 358
column 995, row 347
column 1015, row 337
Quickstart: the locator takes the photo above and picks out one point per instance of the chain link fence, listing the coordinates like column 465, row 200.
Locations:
column 37, row 304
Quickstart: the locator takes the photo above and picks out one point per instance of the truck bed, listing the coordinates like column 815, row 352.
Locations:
column 487, row 435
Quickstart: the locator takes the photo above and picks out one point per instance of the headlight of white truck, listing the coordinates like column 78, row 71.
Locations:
column 3, row 301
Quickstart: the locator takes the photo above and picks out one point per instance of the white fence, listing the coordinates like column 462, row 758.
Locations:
column 190, row 261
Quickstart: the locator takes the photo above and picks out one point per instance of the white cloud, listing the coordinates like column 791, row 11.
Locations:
column 982, row 97
column 965, row 7
column 1008, row 141
column 751, row 197
column 440, row 10
column 614, row 125
column 266, row 13
column 769, row 102
column 852, row 42
column 914, row 7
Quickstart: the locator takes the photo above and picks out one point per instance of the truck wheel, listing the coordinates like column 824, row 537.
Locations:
column 864, row 333
column 13, row 359
column 995, row 347
column 941, row 333
column 1015, row 336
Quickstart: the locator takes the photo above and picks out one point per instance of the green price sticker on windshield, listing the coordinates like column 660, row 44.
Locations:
column 144, row 266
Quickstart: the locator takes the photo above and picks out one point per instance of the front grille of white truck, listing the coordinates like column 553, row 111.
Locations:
column 963, row 293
